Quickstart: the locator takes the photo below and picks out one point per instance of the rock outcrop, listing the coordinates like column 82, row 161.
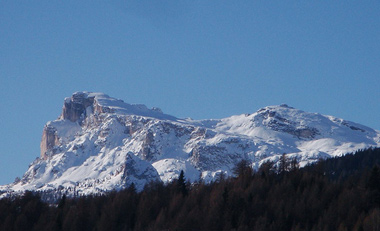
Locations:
column 49, row 140
column 74, row 108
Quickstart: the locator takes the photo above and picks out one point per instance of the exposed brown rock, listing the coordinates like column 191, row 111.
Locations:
column 146, row 150
column 75, row 107
column 48, row 141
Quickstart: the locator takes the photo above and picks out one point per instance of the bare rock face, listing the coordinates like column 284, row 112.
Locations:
column 75, row 106
column 74, row 110
column 278, row 123
column 147, row 152
column 49, row 140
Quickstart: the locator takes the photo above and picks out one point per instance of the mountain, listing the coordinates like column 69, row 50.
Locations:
column 100, row 143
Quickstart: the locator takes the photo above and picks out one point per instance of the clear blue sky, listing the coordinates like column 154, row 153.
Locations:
column 199, row 59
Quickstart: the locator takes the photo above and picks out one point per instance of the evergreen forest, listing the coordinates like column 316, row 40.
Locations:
column 334, row 194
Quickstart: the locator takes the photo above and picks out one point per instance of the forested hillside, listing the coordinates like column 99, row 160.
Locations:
column 335, row 194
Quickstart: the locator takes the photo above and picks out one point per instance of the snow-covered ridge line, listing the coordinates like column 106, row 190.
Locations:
column 102, row 103
column 100, row 143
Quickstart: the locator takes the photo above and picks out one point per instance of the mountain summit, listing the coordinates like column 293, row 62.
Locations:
column 100, row 143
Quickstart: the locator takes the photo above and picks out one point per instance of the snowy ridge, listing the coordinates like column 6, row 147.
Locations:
column 100, row 144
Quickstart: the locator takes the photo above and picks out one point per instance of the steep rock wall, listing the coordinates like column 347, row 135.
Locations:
column 49, row 140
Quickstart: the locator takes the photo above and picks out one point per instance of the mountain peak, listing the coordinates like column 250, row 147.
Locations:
column 100, row 143
column 285, row 105
column 82, row 104
column 75, row 106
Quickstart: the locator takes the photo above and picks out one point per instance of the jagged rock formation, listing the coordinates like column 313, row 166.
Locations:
column 75, row 108
column 49, row 141
column 100, row 143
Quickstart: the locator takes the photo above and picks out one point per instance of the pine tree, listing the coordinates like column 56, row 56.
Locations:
column 284, row 164
column 181, row 183
column 374, row 179
column 242, row 168
column 62, row 202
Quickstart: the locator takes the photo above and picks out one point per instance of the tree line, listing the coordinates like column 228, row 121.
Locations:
column 334, row 194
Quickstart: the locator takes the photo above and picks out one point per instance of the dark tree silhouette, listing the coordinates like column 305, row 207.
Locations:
column 335, row 194
column 181, row 183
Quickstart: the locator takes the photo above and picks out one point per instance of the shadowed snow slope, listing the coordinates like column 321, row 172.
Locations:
column 100, row 144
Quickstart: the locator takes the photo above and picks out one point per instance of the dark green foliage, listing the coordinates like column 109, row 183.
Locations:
column 374, row 179
column 335, row 194
column 181, row 183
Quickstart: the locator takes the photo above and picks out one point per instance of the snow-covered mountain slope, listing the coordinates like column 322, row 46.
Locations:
column 100, row 143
